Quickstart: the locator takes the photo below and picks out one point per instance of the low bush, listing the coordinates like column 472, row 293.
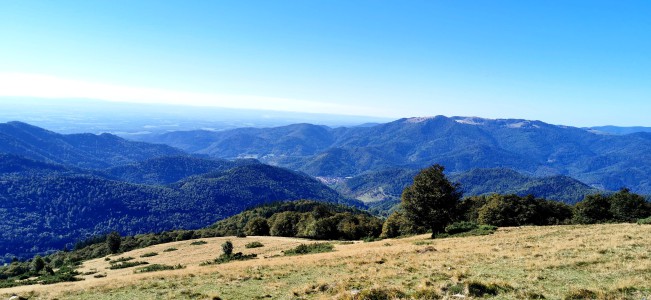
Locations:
column 234, row 257
column 645, row 221
column 459, row 227
column 196, row 243
column 126, row 264
column 170, row 249
column 157, row 267
column 149, row 254
column 255, row 244
column 122, row 259
column 310, row 248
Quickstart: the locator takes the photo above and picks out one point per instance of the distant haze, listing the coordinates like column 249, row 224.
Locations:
column 94, row 116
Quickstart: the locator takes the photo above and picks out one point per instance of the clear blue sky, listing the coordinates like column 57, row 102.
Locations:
column 565, row 62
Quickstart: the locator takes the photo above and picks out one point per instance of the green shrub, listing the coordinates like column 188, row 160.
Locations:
column 233, row 257
column 122, row 259
column 170, row 249
column 645, row 221
column 149, row 254
column 197, row 243
column 309, row 249
column 126, row 264
column 157, row 267
column 255, row 244
column 459, row 227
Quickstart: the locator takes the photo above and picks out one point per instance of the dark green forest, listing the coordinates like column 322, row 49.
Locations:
column 46, row 211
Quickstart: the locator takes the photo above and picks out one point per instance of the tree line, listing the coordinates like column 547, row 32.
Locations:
column 432, row 202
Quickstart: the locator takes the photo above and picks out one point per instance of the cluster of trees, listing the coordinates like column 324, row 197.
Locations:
column 432, row 202
column 306, row 219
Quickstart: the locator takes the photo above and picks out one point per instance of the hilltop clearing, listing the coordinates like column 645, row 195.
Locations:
column 554, row 262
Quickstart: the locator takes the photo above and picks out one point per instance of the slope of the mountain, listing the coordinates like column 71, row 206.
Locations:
column 10, row 163
column 387, row 185
column 169, row 169
column 619, row 130
column 377, row 186
column 506, row 181
column 79, row 150
column 459, row 143
column 291, row 140
column 44, row 211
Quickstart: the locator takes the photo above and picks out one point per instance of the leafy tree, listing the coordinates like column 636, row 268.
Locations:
column 284, row 224
column 628, row 207
column 508, row 210
column 593, row 209
column 113, row 241
column 227, row 248
column 257, row 226
column 38, row 263
column 431, row 200
column 392, row 225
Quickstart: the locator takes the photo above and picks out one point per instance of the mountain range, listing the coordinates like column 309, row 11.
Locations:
column 57, row 189
column 603, row 161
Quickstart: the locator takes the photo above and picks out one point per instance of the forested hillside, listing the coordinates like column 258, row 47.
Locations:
column 45, row 210
column 79, row 150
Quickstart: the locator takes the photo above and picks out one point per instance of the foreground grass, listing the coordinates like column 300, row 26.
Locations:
column 556, row 262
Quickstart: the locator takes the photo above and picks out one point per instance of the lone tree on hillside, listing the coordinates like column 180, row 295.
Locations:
column 431, row 200
column 113, row 241
column 227, row 248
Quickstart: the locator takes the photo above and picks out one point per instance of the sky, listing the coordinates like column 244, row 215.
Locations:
column 570, row 62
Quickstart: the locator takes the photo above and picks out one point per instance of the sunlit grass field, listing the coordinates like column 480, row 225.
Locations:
column 555, row 262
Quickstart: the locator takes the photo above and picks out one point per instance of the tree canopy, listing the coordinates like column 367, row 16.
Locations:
column 432, row 199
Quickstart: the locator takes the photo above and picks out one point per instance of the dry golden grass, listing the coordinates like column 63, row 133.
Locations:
column 610, row 260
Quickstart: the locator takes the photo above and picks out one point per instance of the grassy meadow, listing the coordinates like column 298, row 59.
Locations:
column 553, row 262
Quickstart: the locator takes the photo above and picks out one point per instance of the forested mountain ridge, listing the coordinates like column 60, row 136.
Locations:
column 46, row 206
column 80, row 150
column 461, row 144
column 169, row 169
